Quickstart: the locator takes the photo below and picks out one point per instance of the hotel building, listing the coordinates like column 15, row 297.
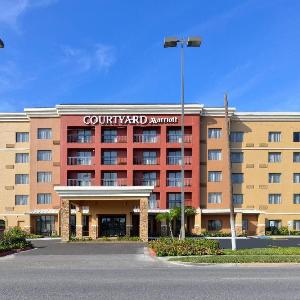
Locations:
column 107, row 170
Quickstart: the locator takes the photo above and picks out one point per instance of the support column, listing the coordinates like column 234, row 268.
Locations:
column 197, row 225
column 128, row 224
column 78, row 222
column 94, row 231
column 163, row 228
column 239, row 223
column 65, row 220
column 261, row 225
column 144, row 219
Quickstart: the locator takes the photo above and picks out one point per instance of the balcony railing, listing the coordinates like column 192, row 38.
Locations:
column 153, row 204
column 177, row 182
column 79, row 182
column 145, row 138
column 177, row 138
column 177, row 203
column 146, row 161
column 114, row 161
column 80, row 138
column 77, row 160
column 176, row 160
column 114, row 139
column 114, row 182
column 147, row 182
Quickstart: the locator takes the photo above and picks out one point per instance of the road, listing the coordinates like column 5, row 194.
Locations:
column 122, row 271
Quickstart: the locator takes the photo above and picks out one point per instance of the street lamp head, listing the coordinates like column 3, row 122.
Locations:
column 170, row 42
column 1, row 44
column 194, row 41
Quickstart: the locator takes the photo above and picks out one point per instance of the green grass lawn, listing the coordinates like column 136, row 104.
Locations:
column 265, row 251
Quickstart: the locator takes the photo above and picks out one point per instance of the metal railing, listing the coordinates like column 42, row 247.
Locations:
column 114, row 161
column 177, row 182
column 79, row 182
column 153, row 204
column 145, row 138
column 80, row 138
column 114, row 139
column 77, row 160
column 176, row 138
column 147, row 182
column 177, row 203
column 176, row 160
column 114, row 182
column 146, row 161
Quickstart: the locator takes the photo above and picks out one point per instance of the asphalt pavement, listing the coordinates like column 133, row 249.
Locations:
column 124, row 271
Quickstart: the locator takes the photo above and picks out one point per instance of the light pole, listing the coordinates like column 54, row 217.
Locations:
column 171, row 42
column 1, row 44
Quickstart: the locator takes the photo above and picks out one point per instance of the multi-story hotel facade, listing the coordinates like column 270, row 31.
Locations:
column 107, row 170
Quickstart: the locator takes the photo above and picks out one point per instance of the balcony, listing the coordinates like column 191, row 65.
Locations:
column 77, row 160
column 80, row 182
column 177, row 138
column 114, row 161
column 176, row 160
column 153, row 204
column 173, row 182
column 146, row 161
column 147, row 182
column 114, row 182
column 177, row 203
column 80, row 138
column 145, row 138
column 113, row 139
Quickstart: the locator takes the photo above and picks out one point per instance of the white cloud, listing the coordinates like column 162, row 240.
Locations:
column 105, row 56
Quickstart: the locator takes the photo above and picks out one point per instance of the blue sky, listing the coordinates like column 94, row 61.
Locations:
column 79, row 51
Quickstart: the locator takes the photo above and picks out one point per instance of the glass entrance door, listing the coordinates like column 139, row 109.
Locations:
column 112, row 225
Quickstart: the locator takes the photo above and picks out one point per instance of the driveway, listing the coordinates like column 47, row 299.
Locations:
column 122, row 271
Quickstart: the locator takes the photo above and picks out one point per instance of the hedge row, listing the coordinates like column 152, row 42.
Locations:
column 169, row 247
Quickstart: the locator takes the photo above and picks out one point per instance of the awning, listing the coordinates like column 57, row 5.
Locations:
column 44, row 212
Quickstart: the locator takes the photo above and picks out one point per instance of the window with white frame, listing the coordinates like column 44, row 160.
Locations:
column 274, row 177
column 274, row 136
column 44, row 198
column 296, row 157
column 22, row 179
column 214, row 154
column 22, row 158
column 236, row 157
column 44, row 176
column 44, row 133
column 214, row 225
column 274, row 198
column 22, row 137
column 274, row 157
column 237, row 178
column 296, row 177
column 296, row 225
column 296, row 198
column 238, row 198
column 274, row 223
column 215, row 198
column 21, row 199
column 214, row 176
column 236, row 136
column 214, row 133
column 44, row 155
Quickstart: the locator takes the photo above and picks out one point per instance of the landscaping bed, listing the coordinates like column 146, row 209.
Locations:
column 119, row 239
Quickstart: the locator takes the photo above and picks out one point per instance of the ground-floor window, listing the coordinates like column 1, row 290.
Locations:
column 2, row 225
column 245, row 225
column 214, row 225
column 73, row 225
column 112, row 225
column 85, row 225
column 297, row 225
column 274, row 223
column 45, row 225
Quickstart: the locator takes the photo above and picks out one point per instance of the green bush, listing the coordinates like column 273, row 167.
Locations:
column 14, row 238
column 34, row 236
column 128, row 238
column 169, row 247
column 281, row 231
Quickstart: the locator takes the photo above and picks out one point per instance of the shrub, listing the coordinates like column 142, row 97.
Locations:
column 169, row 247
column 34, row 236
column 281, row 231
column 14, row 238
column 128, row 238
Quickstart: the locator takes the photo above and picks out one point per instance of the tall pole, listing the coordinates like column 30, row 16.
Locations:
column 227, row 131
column 182, row 229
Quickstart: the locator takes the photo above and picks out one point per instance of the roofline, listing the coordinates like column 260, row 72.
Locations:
column 13, row 117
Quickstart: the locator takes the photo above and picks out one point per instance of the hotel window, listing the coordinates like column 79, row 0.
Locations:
column 296, row 157
column 274, row 223
column 110, row 157
column 274, row 157
column 149, row 178
column 296, row 137
column 21, row 199
column 22, row 158
column 274, row 136
column 214, row 225
column 174, row 136
column 214, row 176
column 296, row 225
column 152, row 202
column 174, row 179
column 296, row 177
column 110, row 178
column 45, row 225
column 274, row 177
column 22, row 137
column 214, row 133
column 149, row 158
column 149, row 136
column 174, row 200
column 44, row 176
column 174, row 157
column 238, row 198
column 109, row 136
column 44, row 198
column 274, row 198
column 215, row 198
column 44, row 133
column 236, row 157
column 237, row 177
column 214, row 154
column 22, row 179
column 236, row 136
column 44, row 155
column 296, row 199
